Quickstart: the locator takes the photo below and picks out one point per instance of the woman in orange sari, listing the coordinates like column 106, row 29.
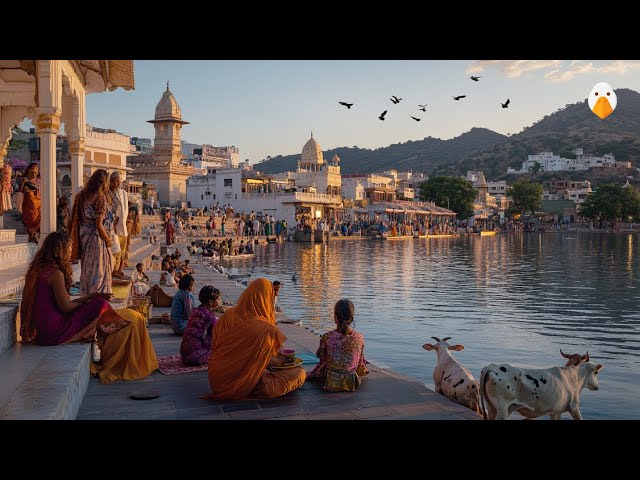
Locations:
column 245, row 342
column 30, row 188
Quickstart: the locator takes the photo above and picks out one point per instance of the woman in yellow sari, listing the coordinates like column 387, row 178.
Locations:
column 245, row 342
column 30, row 188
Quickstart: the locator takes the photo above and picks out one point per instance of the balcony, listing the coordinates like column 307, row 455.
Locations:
column 291, row 197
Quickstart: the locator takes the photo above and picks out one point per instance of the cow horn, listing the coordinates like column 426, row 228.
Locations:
column 564, row 354
column 436, row 339
column 446, row 338
column 587, row 355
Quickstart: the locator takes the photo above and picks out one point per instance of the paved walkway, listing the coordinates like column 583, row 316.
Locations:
column 384, row 394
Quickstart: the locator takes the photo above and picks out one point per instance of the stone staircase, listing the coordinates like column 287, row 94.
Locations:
column 41, row 382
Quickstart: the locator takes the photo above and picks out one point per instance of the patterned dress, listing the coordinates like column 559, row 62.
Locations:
column 96, row 261
column 196, row 340
column 180, row 310
column 342, row 361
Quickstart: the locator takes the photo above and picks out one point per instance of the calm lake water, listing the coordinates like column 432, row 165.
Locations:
column 515, row 298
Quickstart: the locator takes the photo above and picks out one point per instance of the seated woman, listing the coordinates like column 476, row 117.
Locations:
column 140, row 280
column 126, row 349
column 182, row 304
column 341, row 353
column 171, row 279
column 245, row 342
column 196, row 340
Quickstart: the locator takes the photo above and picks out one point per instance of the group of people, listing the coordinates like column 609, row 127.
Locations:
column 220, row 248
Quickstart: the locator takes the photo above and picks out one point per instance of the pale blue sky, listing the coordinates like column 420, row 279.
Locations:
column 270, row 107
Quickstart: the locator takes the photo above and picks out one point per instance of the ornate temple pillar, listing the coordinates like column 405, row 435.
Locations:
column 76, row 150
column 47, row 127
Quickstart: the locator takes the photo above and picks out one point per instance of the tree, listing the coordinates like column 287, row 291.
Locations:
column 454, row 193
column 526, row 196
column 14, row 143
column 612, row 202
column 537, row 166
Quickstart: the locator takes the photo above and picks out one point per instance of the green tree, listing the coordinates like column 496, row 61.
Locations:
column 526, row 196
column 14, row 143
column 537, row 166
column 454, row 193
column 612, row 202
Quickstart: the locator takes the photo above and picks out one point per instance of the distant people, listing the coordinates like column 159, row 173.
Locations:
column 246, row 341
column 134, row 228
column 30, row 188
column 62, row 215
column 183, row 302
column 91, row 229
column 140, row 280
column 169, row 230
column 341, row 353
column 171, row 277
column 195, row 348
column 49, row 317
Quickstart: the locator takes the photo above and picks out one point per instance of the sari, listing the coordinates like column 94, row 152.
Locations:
column 244, row 340
column 31, row 206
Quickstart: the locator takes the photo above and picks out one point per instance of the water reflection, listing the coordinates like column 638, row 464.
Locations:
column 513, row 298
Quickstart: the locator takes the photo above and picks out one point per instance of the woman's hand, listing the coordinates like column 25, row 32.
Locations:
column 278, row 361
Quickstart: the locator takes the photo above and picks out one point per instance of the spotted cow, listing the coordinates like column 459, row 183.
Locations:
column 533, row 393
column 451, row 379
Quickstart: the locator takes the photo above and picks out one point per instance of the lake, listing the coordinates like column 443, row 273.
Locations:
column 514, row 298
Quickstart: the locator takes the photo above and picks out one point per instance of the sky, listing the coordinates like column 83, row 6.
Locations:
column 269, row 107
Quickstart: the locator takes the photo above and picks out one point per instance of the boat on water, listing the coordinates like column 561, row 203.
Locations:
column 485, row 233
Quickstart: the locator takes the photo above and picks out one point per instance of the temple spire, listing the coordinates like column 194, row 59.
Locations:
column 167, row 85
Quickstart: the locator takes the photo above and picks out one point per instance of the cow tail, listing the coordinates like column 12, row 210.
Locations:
column 483, row 382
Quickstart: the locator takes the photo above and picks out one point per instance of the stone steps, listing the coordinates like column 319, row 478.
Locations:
column 43, row 383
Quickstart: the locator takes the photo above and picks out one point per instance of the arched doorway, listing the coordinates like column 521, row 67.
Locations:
column 65, row 189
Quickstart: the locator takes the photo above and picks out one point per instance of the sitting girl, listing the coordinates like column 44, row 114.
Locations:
column 195, row 348
column 341, row 353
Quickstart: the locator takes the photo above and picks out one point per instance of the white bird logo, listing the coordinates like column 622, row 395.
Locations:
column 602, row 100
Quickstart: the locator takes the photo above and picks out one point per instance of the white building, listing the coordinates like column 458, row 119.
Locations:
column 352, row 189
column 550, row 162
column 313, row 170
column 221, row 185
column 205, row 157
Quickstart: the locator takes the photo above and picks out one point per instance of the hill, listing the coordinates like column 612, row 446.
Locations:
column 421, row 155
column 482, row 149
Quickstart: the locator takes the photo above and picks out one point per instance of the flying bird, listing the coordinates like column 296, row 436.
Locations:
column 459, row 97
column 348, row 105
column 416, row 119
column 423, row 107
column 505, row 104
column 381, row 117
column 395, row 99
column 475, row 79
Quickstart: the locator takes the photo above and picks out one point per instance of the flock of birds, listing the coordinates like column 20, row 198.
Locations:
column 395, row 100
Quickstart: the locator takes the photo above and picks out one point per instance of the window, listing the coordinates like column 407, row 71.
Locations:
column 228, row 182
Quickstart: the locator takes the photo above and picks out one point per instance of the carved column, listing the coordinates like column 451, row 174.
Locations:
column 48, row 125
column 76, row 150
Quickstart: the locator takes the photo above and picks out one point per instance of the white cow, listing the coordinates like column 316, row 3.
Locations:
column 450, row 378
column 535, row 392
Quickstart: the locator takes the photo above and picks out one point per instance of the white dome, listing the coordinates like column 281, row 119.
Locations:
column 312, row 153
column 168, row 107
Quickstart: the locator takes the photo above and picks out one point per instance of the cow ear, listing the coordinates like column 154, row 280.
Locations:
column 598, row 367
column 428, row 346
column 457, row 348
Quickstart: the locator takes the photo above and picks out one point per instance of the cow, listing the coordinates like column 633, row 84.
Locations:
column 575, row 358
column 450, row 378
column 535, row 392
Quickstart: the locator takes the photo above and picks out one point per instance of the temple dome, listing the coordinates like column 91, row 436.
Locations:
column 312, row 153
column 168, row 108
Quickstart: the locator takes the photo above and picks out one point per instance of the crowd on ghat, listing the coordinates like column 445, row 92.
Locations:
column 242, row 347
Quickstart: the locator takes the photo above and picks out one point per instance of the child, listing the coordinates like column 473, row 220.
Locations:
column 195, row 348
column 341, row 353
column 140, row 281
column 171, row 279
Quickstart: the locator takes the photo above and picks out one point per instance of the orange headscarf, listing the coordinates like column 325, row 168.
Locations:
column 244, row 340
